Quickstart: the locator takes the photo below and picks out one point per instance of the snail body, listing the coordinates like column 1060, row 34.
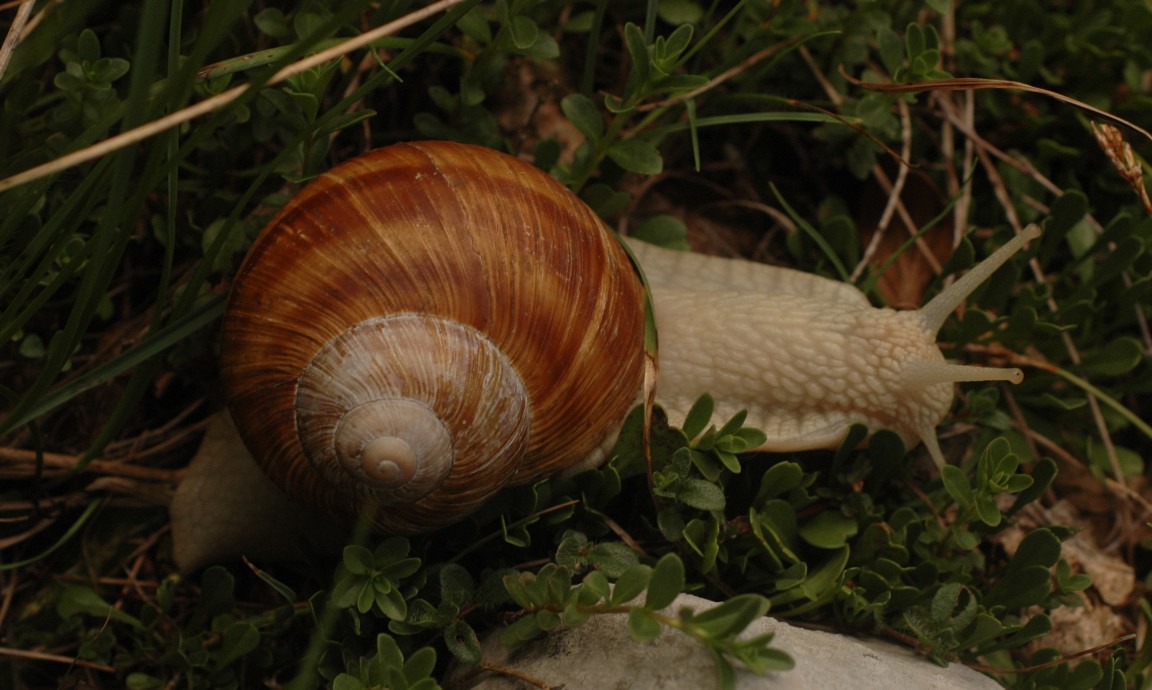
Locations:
column 430, row 322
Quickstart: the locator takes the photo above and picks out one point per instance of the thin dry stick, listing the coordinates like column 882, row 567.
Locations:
column 894, row 194
column 206, row 106
column 877, row 172
column 17, row 463
column 58, row 658
column 977, row 83
column 1022, row 423
column 10, row 579
column 15, row 33
column 160, row 439
column 964, row 201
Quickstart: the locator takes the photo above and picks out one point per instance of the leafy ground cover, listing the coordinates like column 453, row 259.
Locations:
column 818, row 135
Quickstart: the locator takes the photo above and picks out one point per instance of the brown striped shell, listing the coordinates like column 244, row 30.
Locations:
column 423, row 325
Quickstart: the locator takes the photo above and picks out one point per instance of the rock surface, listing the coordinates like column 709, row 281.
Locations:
column 600, row 655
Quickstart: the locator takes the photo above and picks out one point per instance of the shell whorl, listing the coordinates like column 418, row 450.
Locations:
column 371, row 408
column 424, row 324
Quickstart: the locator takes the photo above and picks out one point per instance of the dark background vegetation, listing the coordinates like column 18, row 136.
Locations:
column 745, row 134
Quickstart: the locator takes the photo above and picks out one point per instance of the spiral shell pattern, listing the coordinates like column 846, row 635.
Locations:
column 423, row 325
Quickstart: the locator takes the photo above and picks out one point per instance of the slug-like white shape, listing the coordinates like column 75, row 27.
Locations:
column 428, row 323
column 806, row 356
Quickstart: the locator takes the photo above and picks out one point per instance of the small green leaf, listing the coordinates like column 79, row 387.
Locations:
column 891, row 49
column 420, row 665
column 914, row 41
column 573, row 615
column 391, row 550
column 824, row 578
column 638, row 156
column 87, row 45
column 957, row 485
column 475, row 25
column 358, row 559
column 271, row 21
column 1021, row 587
column 875, row 110
column 679, row 12
column 1117, row 358
column 631, row 584
column 779, row 479
column 667, row 231
column 707, row 464
column 734, row 425
column 388, row 652
column 347, row 681
column 398, row 570
column 217, row 592
column 964, row 539
column 547, row 620
column 945, row 601
column 239, row 638
column 524, row 32
column 392, row 604
column 519, row 632
column 286, row 592
column 1065, row 212
column 365, row 597
column 828, row 530
column 516, row 533
column 642, row 626
column 1039, row 547
column 1037, row 626
column 78, row 599
column 987, row 510
column 731, row 617
column 638, row 52
column 700, row 494
column 462, row 642
column 753, row 438
column 671, row 522
column 762, row 659
column 597, row 583
column 677, row 42
column 584, row 114
column 792, row 576
column 703, row 537
column 666, row 583
column 456, row 584
column 1043, row 473
column 612, row 558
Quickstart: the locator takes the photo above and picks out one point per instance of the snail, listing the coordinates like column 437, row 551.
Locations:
column 430, row 322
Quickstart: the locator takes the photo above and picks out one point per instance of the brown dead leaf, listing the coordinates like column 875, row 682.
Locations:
column 905, row 280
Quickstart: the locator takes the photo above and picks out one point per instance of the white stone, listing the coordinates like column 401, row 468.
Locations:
column 601, row 655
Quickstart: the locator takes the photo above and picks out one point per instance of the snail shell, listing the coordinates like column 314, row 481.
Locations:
column 424, row 325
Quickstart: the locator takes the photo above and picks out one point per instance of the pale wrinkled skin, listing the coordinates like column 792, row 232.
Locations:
column 805, row 356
